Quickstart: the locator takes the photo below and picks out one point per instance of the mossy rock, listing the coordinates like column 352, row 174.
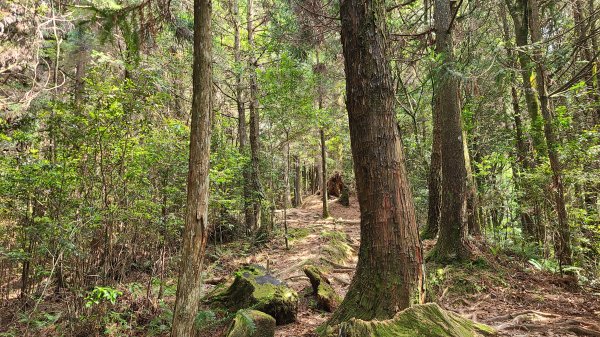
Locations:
column 417, row 321
column 252, row 323
column 327, row 298
column 253, row 288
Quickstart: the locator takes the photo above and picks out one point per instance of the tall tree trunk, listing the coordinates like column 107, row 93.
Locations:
column 472, row 205
column 519, row 13
column 435, row 179
column 562, row 241
column 320, row 70
column 297, row 182
column 324, row 173
column 452, row 243
column 195, row 232
column 254, row 206
column 527, row 223
column 389, row 274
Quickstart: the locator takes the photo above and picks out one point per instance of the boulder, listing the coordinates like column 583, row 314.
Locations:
column 327, row 298
column 420, row 320
column 252, row 323
column 252, row 287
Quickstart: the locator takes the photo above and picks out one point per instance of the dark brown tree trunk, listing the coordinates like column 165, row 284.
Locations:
column 253, row 208
column 435, row 179
column 562, row 240
column 389, row 274
column 519, row 13
column 452, row 243
column 297, row 183
column 195, row 232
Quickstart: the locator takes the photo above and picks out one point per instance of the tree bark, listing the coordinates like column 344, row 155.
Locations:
column 389, row 274
column 324, row 174
column 253, row 208
column 435, row 179
column 195, row 232
column 562, row 241
column 452, row 243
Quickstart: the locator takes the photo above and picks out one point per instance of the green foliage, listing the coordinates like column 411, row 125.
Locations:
column 102, row 294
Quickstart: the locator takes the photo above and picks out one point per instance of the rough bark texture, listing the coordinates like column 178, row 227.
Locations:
column 452, row 243
column 421, row 320
column 434, row 181
column 324, row 196
column 195, row 232
column 389, row 272
column 253, row 209
column 252, row 323
column 562, row 239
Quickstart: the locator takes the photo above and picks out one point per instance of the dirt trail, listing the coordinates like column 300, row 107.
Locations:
column 520, row 302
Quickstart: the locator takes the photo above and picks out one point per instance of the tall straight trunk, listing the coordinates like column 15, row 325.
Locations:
column 297, row 182
column 320, row 70
column 195, row 232
column 239, row 101
column 239, row 86
column 389, row 274
column 562, row 241
column 253, row 208
column 435, row 179
column 324, row 174
column 472, row 205
column 452, row 243
column 519, row 13
column 527, row 223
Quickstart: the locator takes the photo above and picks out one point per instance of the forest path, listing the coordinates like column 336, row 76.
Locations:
column 507, row 294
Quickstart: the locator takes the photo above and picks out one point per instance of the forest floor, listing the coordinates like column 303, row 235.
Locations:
column 500, row 290
column 498, row 287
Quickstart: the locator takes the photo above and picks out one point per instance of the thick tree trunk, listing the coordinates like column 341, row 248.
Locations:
column 389, row 274
column 562, row 240
column 452, row 242
column 435, row 179
column 519, row 13
column 195, row 232
column 253, row 208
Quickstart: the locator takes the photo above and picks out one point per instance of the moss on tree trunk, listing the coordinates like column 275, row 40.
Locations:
column 418, row 321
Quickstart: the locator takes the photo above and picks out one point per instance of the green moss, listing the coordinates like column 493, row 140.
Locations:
column 327, row 298
column 422, row 320
column 336, row 248
column 297, row 234
column 253, row 288
column 252, row 323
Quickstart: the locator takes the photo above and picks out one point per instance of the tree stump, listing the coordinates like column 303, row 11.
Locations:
column 253, row 288
column 252, row 323
column 335, row 185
